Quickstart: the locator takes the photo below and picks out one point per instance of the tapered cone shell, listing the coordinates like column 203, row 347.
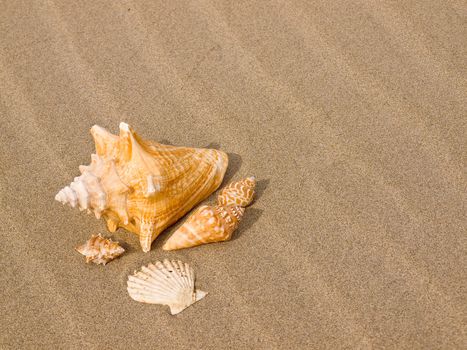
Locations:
column 143, row 186
column 100, row 250
column 169, row 283
column 238, row 193
column 206, row 225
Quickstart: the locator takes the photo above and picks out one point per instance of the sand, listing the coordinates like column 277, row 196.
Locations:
column 351, row 115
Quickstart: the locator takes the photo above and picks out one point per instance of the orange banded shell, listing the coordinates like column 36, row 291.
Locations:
column 207, row 224
column 143, row 186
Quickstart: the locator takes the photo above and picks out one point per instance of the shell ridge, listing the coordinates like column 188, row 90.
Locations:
column 184, row 274
column 152, row 277
column 149, row 287
column 161, row 278
column 166, row 276
column 170, row 268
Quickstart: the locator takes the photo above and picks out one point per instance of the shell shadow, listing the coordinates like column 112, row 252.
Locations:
column 167, row 233
column 235, row 163
column 250, row 217
column 128, row 248
column 214, row 145
column 261, row 186
column 166, row 142
column 123, row 237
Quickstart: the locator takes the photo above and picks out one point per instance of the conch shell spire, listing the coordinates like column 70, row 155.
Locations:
column 143, row 186
column 126, row 142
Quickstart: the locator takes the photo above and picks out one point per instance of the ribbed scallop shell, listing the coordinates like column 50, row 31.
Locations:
column 100, row 250
column 169, row 283
column 143, row 186
column 239, row 193
column 207, row 224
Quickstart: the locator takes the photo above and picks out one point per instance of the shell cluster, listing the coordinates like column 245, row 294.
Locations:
column 169, row 283
column 144, row 187
column 100, row 250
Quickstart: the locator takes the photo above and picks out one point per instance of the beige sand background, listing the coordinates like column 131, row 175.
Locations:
column 351, row 114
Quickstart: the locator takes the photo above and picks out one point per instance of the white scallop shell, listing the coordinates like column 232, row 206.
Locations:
column 169, row 283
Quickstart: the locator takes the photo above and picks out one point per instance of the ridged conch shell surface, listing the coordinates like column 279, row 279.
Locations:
column 143, row 186
column 207, row 224
column 100, row 250
column 169, row 283
column 238, row 193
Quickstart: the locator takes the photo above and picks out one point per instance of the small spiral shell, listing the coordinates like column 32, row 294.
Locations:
column 239, row 193
column 100, row 250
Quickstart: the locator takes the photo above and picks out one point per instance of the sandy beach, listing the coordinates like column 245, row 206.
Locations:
column 352, row 116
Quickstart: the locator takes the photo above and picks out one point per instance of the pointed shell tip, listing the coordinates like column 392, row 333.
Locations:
column 124, row 126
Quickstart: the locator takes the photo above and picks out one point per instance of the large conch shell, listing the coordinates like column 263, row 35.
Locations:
column 206, row 225
column 169, row 283
column 100, row 250
column 143, row 186
column 238, row 193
